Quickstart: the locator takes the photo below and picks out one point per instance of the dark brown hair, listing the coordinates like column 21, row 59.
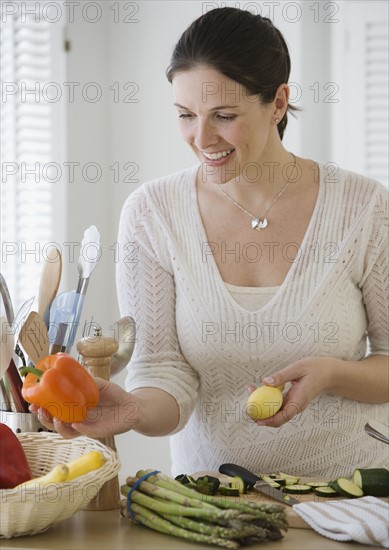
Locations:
column 246, row 48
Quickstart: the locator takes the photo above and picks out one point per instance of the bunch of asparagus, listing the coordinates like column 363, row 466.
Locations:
column 167, row 506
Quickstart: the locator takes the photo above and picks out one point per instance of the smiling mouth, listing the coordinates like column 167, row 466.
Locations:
column 218, row 156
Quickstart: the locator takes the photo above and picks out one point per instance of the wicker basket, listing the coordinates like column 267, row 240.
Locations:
column 31, row 511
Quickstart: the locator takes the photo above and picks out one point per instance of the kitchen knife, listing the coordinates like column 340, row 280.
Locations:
column 257, row 483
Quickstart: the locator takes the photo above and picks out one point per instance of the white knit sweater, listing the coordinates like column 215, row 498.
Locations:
column 197, row 343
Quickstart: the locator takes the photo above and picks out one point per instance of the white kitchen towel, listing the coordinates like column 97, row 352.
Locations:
column 365, row 520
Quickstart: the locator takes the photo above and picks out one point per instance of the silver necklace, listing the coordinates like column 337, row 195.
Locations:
column 260, row 222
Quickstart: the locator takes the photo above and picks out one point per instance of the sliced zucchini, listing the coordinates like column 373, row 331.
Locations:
column 325, row 491
column 207, row 485
column 274, row 481
column 228, row 491
column 186, row 480
column 191, row 479
column 315, row 484
column 240, row 484
column 271, row 482
column 290, row 480
column 346, row 488
column 372, row 481
column 182, row 478
column 281, row 481
column 297, row 489
column 274, row 484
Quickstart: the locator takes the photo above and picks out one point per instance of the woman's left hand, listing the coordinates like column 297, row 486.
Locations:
column 308, row 377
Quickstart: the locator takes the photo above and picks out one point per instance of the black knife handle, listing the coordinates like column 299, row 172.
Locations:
column 235, row 470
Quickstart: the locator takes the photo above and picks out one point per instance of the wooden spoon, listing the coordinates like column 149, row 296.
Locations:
column 49, row 282
column 34, row 338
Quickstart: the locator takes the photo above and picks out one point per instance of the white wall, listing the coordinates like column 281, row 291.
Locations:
column 145, row 132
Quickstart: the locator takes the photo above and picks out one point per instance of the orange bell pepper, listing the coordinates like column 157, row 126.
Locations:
column 62, row 386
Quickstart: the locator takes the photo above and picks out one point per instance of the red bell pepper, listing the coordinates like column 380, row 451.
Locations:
column 14, row 468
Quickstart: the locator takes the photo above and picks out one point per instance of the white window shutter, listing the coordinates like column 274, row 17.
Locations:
column 360, row 67
column 377, row 92
column 31, row 58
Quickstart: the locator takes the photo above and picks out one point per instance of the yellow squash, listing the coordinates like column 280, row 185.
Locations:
column 58, row 474
column 67, row 472
column 84, row 464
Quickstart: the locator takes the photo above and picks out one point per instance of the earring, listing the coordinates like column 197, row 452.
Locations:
column 277, row 120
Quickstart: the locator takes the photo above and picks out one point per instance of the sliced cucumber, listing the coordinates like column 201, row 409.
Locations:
column 297, row 489
column 346, row 488
column 325, row 491
column 372, row 481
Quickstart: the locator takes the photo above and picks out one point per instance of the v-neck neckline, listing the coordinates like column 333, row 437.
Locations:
column 211, row 262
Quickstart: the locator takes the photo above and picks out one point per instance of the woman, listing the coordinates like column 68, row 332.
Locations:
column 253, row 266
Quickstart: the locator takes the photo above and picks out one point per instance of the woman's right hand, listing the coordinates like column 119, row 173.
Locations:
column 116, row 413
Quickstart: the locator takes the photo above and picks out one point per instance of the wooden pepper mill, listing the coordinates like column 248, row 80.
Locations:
column 97, row 352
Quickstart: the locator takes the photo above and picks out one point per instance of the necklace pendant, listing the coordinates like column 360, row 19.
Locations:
column 254, row 223
column 258, row 224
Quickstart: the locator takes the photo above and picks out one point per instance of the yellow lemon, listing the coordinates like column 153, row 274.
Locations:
column 264, row 402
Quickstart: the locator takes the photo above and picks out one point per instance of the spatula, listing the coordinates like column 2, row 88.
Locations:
column 49, row 282
column 33, row 337
column 89, row 256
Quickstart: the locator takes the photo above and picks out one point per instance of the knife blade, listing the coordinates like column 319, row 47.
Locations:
column 257, row 483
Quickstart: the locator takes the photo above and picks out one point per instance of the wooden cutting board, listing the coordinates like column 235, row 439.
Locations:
column 295, row 521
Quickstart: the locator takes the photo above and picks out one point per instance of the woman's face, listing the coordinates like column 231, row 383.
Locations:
column 229, row 131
